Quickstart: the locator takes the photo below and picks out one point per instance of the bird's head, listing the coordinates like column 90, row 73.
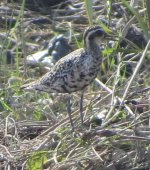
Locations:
column 94, row 34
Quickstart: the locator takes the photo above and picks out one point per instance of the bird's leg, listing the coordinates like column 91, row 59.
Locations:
column 69, row 112
column 81, row 107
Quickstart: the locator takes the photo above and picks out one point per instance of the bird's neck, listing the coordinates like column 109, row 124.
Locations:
column 93, row 48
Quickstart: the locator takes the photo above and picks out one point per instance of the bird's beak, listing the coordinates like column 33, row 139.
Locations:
column 111, row 36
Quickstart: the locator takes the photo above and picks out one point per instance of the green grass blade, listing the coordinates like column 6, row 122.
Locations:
column 138, row 17
column 89, row 10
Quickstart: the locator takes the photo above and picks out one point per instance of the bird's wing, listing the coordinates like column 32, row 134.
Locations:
column 53, row 81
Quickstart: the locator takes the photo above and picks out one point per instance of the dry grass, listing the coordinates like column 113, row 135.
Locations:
column 35, row 131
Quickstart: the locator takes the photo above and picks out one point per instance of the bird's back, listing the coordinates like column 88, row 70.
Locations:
column 71, row 73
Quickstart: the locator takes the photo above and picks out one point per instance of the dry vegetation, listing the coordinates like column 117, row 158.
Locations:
column 35, row 131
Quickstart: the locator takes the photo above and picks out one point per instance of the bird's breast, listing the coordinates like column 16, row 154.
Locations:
column 81, row 75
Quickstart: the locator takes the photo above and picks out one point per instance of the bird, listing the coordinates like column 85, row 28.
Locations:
column 75, row 71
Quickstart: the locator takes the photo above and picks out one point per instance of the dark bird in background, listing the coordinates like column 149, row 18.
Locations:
column 75, row 71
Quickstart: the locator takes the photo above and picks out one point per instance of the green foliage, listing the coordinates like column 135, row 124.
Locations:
column 89, row 10
column 6, row 106
column 78, row 41
column 122, row 115
column 109, row 9
column 36, row 160
column 108, row 51
column 37, row 115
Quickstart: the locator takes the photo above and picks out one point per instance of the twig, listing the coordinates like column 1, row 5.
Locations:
column 4, row 147
column 135, row 72
column 139, row 91
column 103, row 86
column 148, row 12
column 113, row 101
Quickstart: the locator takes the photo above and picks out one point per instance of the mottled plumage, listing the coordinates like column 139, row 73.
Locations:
column 76, row 70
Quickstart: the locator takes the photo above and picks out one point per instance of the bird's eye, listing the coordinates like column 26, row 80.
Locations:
column 96, row 33
column 99, row 32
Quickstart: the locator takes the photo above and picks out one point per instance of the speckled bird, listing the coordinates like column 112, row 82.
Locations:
column 75, row 71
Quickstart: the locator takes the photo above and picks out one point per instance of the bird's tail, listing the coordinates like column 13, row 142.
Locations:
column 30, row 86
column 36, row 85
